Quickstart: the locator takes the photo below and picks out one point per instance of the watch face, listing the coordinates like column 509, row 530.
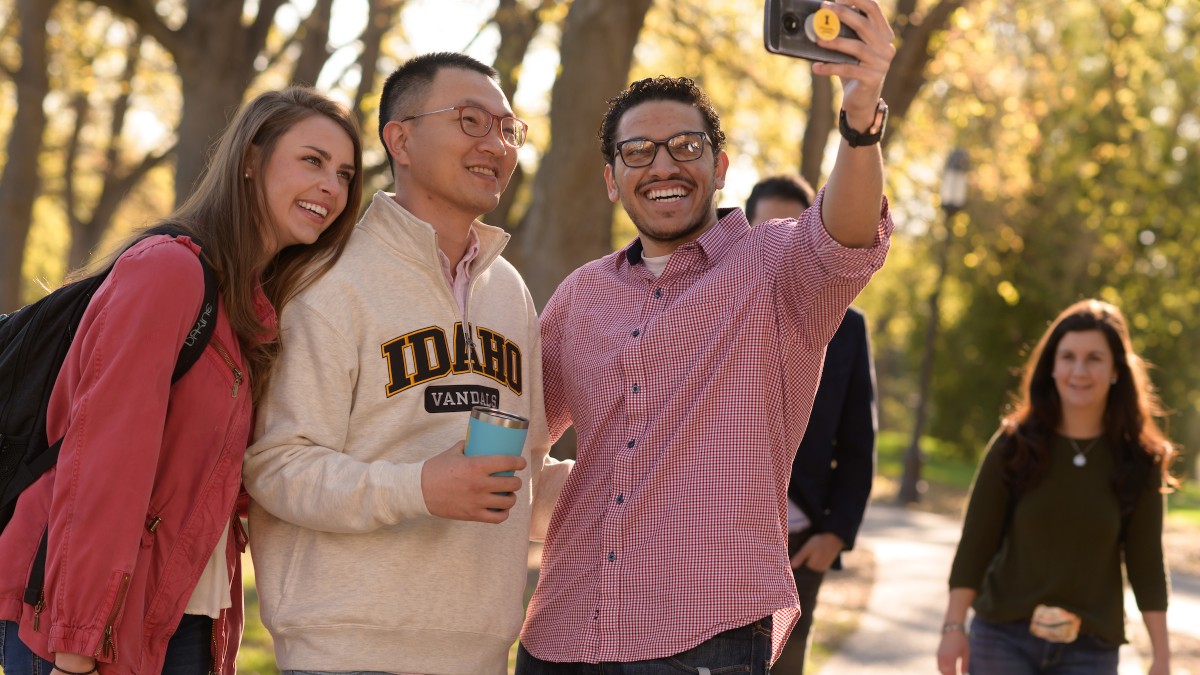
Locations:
column 875, row 126
column 869, row 137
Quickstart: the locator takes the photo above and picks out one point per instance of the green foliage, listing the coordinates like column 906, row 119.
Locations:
column 1184, row 504
column 945, row 463
column 1083, row 188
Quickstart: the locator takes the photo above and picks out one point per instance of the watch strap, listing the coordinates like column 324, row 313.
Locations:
column 873, row 135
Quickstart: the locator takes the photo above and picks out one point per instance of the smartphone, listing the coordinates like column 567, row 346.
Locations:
column 790, row 27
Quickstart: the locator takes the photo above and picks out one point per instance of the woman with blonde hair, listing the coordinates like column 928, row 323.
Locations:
column 1071, row 488
column 140, row 515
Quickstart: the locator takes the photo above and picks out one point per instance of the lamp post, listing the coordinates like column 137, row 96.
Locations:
column 954, row 199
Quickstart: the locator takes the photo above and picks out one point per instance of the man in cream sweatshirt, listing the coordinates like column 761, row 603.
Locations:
column 377, row 545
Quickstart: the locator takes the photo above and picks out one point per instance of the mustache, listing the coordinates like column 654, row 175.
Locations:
column 676, row 177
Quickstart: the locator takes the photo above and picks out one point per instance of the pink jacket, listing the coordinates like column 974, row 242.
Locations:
column 148, row 476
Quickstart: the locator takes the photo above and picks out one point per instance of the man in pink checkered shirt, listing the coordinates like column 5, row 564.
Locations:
column 688, row 362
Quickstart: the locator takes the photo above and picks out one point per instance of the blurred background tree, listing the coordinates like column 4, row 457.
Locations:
column 1080, row 119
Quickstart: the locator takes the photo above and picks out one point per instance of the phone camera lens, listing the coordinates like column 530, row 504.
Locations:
column 791, row 23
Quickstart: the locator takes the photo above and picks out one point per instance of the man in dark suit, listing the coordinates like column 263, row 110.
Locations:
column 834, row 467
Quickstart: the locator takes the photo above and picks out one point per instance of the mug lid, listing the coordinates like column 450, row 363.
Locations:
column 499, row 417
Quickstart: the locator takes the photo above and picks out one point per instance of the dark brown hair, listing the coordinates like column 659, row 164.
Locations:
column 1130, row 413
column 789, row 187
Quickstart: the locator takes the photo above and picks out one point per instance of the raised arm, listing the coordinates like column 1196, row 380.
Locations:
column 854, row 192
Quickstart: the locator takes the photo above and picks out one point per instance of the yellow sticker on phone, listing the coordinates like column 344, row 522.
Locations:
column 826, row 24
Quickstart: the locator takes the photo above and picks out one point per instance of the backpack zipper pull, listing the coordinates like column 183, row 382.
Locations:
column 37, row 611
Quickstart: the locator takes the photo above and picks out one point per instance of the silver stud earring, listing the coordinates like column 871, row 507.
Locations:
column 246, row 175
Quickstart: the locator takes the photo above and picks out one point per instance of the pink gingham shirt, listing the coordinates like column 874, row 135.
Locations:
column 689, row 392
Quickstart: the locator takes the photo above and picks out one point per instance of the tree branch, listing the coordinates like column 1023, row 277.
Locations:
column 313, row 37
column 907, row 73
column 142, row 13
column 256, row 34
column 379, row 20
column 70, row 198
column 715, row 54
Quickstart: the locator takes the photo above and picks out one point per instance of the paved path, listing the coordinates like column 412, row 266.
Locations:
column 899, row 631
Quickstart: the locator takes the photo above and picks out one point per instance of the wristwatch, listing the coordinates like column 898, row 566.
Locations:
column 871, row 136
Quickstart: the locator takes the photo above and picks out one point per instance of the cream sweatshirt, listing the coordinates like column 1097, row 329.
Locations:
column 353, row 573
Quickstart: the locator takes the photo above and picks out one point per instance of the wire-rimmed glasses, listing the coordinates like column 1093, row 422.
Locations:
column 687, row 146
column 477, row 122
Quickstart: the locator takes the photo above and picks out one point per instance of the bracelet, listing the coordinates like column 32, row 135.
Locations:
column 953, row 627
column 64, row 671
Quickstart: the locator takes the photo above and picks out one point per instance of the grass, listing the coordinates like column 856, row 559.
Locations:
column 1183, row 505
column 257, row 655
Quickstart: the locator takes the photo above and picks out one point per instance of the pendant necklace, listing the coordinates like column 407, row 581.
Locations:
column 1080, row 459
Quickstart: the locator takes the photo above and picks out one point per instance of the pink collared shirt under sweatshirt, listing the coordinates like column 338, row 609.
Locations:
column 690, row 392
column 459, row 278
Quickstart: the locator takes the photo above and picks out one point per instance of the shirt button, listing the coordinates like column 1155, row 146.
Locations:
column 612, row 556
column 620, row 499
column 658, row 292
column 636, row 332
column 630, row 444
column 636, row 388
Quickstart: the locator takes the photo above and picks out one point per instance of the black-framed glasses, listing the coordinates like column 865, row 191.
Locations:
column 687, row 146
column 477, row 122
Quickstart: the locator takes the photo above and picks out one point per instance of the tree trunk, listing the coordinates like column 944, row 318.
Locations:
column 213, row 82
column 816, row 132
column 314, row 44
column 517, row 25
column 380, row 15
column 569, row 221
column 20, row 181
column 214, row 54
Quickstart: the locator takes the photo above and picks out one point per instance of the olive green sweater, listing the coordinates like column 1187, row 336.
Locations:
column 1063, row 546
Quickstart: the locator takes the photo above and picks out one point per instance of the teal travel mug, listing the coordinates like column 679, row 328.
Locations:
column 495, row 432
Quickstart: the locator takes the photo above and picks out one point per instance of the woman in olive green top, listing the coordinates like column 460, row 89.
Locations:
column 1070, row 486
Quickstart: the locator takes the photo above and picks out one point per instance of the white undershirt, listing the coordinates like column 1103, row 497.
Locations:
column 798, row 521
column 656, row 265
column 211, row 594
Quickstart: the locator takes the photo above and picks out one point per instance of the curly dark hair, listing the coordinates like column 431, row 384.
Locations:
column 661, row 88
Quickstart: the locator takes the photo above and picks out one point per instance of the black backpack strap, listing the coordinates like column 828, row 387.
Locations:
column 193, row 346
column 202, row 331
column 37, row 573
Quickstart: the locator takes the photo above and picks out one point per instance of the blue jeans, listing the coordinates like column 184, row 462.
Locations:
column 15, row 657
column 1010, row 649
column 189, row 652
column 741, row 650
